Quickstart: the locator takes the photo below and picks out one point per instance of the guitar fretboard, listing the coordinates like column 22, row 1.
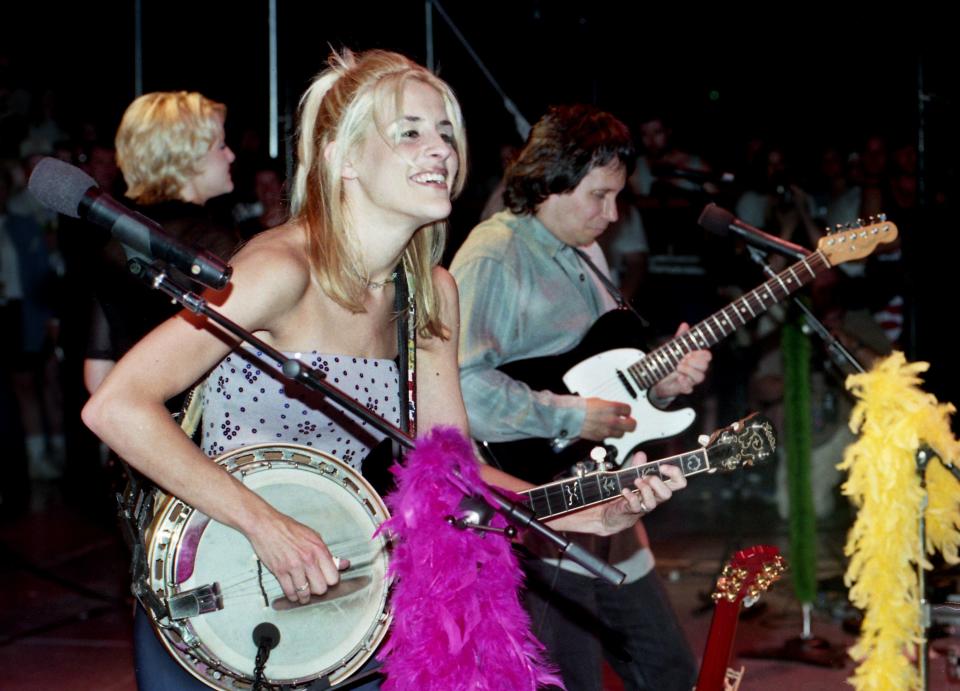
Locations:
column 577, row 492
column 659, row 363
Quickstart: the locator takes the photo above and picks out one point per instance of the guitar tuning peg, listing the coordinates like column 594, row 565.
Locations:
column 883, row 218
column 598, row 454
column 703, row 439
column 859, row 223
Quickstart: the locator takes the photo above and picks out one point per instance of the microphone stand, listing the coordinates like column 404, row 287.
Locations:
column 836, row 350
column 805, row 648
column 929, row 614
column 817, row 651
column 157, row 278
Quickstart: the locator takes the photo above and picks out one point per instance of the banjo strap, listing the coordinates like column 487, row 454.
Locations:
column 406, row 310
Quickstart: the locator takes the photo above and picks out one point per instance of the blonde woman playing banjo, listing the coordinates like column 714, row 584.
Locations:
column 381, row 155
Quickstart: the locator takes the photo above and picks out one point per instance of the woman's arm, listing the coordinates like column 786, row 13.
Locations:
column 127, row 411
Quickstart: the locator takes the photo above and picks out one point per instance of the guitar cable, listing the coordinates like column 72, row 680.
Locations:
column 546, row 604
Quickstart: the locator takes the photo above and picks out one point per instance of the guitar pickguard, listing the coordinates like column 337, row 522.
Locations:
column 597, row 377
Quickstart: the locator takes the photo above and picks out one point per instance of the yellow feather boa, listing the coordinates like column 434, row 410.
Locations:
column 893, row 416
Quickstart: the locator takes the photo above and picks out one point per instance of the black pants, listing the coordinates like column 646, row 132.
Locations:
column 582, row 620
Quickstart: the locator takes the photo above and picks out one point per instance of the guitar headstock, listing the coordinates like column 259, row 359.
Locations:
column 744, row 443
column 856, row 240
column 749, row 573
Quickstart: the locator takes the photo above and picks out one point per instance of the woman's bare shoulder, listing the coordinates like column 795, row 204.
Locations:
column 283, row 246
column 275, row 258
column 446, row 284
column 446, row 287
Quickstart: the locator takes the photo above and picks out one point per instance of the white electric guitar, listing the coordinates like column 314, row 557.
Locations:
column 591, row 369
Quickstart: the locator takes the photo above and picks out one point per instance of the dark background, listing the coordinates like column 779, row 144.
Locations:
column 719, row 78
column 804, row 79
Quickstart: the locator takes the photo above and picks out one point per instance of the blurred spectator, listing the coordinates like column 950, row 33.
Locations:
column 270, row 209
column 872, row 173
column 28, row 295
column 835, row 199
column 775, row 202
column 249, row 159
column 625, row 246
column 662, row 169
column 44, row 130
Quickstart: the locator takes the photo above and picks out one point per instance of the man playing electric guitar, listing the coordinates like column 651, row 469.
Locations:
column 526, row 292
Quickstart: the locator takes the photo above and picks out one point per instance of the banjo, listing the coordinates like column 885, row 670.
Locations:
column 215, row 591
column 206, row 591
column 220, row 612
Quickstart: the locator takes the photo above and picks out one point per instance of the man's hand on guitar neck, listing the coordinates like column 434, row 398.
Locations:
column 690, row 371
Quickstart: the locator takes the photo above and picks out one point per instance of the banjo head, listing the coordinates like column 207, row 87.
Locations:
column 196, row 560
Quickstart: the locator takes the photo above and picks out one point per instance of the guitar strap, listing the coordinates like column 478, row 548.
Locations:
column 135, row 512
column 622, row 302
column 406, row 311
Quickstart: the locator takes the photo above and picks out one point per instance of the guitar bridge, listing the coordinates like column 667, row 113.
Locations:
column 196, row 601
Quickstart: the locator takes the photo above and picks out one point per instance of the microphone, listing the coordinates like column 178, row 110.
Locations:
column 721, row 222
column 69, row 191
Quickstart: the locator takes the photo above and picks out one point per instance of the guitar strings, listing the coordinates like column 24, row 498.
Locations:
column 610, row 385
column 753, row 299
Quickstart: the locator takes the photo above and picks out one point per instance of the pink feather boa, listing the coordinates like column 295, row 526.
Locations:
column 457, row 618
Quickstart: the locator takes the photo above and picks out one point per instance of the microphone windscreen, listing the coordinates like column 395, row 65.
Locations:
column 716, row 220
column 59, row 185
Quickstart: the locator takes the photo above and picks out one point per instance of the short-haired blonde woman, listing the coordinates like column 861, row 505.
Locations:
column 382, row 152
column 170, row 146
column 172, row 151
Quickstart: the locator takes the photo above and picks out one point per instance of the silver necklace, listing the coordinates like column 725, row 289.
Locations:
column 381, row 284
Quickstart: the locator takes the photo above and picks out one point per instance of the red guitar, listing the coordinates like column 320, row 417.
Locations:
column 749, row 572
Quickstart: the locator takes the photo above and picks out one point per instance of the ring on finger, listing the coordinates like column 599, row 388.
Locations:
column 303, row 588
column 643, row 507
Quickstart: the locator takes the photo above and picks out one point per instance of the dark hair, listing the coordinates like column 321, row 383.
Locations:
column 564, row 145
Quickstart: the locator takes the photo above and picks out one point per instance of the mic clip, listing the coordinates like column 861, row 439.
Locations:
column 474, row 513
